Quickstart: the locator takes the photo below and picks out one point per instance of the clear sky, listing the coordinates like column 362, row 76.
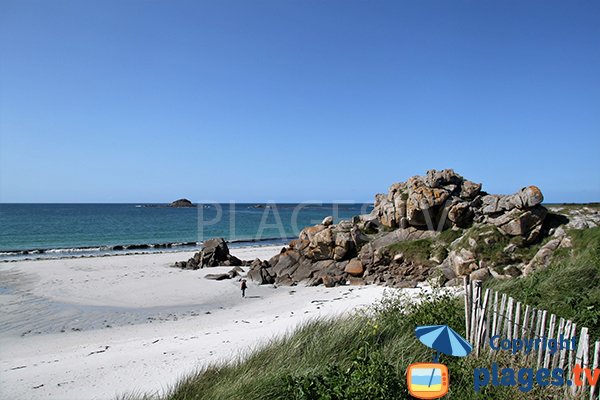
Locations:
column 284, row 100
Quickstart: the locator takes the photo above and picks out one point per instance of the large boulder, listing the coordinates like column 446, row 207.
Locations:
column 217, row 277
column 309, row 232
column 286, row 263
column 390, row 209
column 332, row 280
column 306, row 268
column 444, row 199
column 423, row 202
column 259, row 272
column 460, row 214
column 446, row 178
column 419, row 201
column 322, row 244
column 542, row 258
column 343, row 245
column 525, row 198
column 462, row 261
column 482, row 274
column 469, row 190
column 338, row 242
column 214, row 253
column 530, row 196
column 217, row 247
column 354, row 267
column 521, row 222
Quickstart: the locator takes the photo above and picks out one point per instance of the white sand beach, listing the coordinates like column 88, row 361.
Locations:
column 95, row 328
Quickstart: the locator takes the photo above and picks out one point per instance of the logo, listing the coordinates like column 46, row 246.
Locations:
column 427, row 380
column 431, row 380
column 526, row 378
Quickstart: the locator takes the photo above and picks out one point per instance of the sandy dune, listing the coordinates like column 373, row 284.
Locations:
column 98, row 327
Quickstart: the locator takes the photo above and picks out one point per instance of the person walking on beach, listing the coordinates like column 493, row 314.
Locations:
column 243, row 286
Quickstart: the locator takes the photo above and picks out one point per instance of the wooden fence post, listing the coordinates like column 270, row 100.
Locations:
column 517, row 323
column 559, row 336
column 508, row 321
column 563, row 351
column 581, row 359
column 594, row 367
column 524, row 331
column 467, row 288
column 495, row 316
column 501, row 315
column 550, row 336
column 541, row 334
column 475, row 309
column 481, row 323
column 572, row 335
column 486, row 332
column 485, row 317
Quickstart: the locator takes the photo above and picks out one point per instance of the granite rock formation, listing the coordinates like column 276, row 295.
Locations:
column 214, row 253
column 415, row 210
column 439, row 227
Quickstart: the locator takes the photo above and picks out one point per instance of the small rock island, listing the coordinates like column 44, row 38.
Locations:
column 182, row 203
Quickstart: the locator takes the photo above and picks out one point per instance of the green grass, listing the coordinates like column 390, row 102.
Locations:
column 449, row 235
column 365, row 355
column 490, row 245
column 493, row 250
column 420, row 251
column 417, row 251
column 325, row 356
column 360, row 357
column 570, row 286
column 316, row 352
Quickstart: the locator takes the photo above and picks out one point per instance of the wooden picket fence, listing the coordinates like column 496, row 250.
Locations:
column 489, row 313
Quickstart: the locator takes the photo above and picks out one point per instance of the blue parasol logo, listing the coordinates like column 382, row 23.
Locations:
column 443, row 339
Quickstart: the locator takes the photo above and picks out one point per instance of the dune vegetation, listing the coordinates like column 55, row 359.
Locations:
column 365, row 355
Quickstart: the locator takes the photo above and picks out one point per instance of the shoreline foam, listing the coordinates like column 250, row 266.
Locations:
column 127, row 249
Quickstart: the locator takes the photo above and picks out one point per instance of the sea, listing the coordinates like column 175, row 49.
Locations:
column 41, row 231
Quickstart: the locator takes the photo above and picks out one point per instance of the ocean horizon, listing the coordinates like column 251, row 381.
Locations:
column 56, row 230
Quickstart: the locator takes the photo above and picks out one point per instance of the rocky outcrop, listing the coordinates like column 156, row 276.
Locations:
column 182, row 203
column 443, row 199
column 426, row 201
column 520, row 214
column 362, row 250
column 319, row 255
column 579, row 216
column 234, row 272
column 439, row 227
column 259, row 272
column 214, row 253
column 543, row 256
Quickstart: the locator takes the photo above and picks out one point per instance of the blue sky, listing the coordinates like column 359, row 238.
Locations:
column 142, row 101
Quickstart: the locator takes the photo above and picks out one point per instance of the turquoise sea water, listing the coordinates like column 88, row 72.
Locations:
column 58, row 230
